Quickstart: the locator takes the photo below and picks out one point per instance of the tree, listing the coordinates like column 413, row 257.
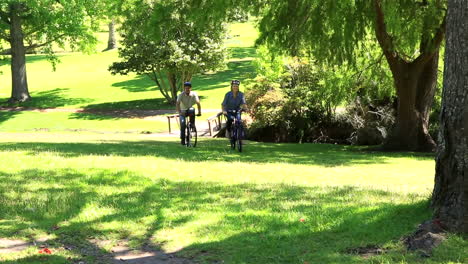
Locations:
column 112, row 11
column 112, row 41
column 162, row 40
column 450, row 195
column 409, row 34
column 39, row 24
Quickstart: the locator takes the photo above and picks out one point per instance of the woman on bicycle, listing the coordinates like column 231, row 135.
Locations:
column 233, row 101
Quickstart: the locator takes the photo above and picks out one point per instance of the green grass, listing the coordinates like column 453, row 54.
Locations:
column 210, row 203
column 60, row 121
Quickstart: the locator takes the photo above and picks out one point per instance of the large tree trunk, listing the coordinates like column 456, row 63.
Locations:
column 111, row 42
column 415, row 85
column 450, row 195
column 19, row 91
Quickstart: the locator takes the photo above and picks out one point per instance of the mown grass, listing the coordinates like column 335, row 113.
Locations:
column 78, row 122
column 212, row 204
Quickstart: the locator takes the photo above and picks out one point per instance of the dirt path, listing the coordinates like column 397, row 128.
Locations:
column 119, row 254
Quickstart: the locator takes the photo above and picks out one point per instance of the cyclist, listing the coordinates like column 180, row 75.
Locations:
column 185, row 101
column 233, row 100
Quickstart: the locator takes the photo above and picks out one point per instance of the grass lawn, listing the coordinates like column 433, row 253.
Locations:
column 211, row 204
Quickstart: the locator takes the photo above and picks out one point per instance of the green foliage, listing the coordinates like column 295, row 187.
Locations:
column 332, row 30
column 46, row 22
column 168, row 45
column 294, row 96
column 270, row 66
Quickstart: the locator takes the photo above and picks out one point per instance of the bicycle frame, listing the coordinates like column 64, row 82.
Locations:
column 237, row 130
column 190, row 130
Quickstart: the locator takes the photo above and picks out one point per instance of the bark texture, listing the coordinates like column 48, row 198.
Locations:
column 450, row 195
column 19, row 92
column 112, row 41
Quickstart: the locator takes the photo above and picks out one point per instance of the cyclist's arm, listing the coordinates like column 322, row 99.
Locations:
column 178, row 107
column 197, row 101
column 199, row 107
column 223, row 104
column 243, row 105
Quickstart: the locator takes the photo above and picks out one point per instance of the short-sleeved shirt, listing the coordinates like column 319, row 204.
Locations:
column 187, row 101
column 231, row 103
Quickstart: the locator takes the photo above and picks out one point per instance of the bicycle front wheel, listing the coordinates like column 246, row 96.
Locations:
column 239, row 136
column 193, row 136
column 188, row 136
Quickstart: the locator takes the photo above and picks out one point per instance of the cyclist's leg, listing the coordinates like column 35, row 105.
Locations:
column 182, row 128
column 229, row 121
column 192, row 120
column 191, row 112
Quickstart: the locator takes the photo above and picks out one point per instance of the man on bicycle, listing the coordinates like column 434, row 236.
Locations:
column 184, row 104
column 233, row 100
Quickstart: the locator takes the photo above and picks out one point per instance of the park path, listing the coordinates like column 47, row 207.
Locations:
column 157, row 115
column 120, row 253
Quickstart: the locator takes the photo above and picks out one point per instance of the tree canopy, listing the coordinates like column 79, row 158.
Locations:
column 163, row 40
column 409, row 34
column 332, row 29
column 35, row 25
column 47, row 22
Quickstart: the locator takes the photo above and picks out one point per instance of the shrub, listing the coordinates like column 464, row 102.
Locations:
column 289, row 105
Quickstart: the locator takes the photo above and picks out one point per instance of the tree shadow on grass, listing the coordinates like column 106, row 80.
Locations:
column 143, row 104
column 246, row 223
column 50, row 99
column 6, row 115
column 242, row 52
column 29, row 59
column 126, row 109
column 218, row 150
column 239, row 70
column 141, row 83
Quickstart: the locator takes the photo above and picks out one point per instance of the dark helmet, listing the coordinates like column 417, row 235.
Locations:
column 235, row 82
column 188, row 84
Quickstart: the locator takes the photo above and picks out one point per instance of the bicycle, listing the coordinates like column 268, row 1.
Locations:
column 237, row 130
column 190, row 129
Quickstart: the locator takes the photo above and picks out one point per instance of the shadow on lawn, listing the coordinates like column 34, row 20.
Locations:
column 217, row 150
column 252, row 223
column 51, row 99
column 6, row 115
column 242, row 52
column 29, row 59
column 236, row 70
column 126, row 109
column 141, row 83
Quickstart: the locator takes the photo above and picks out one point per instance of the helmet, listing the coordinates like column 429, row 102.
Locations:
column 188, row 84
column 235, row 82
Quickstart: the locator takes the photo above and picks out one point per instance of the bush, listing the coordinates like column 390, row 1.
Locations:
column 290, row 106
